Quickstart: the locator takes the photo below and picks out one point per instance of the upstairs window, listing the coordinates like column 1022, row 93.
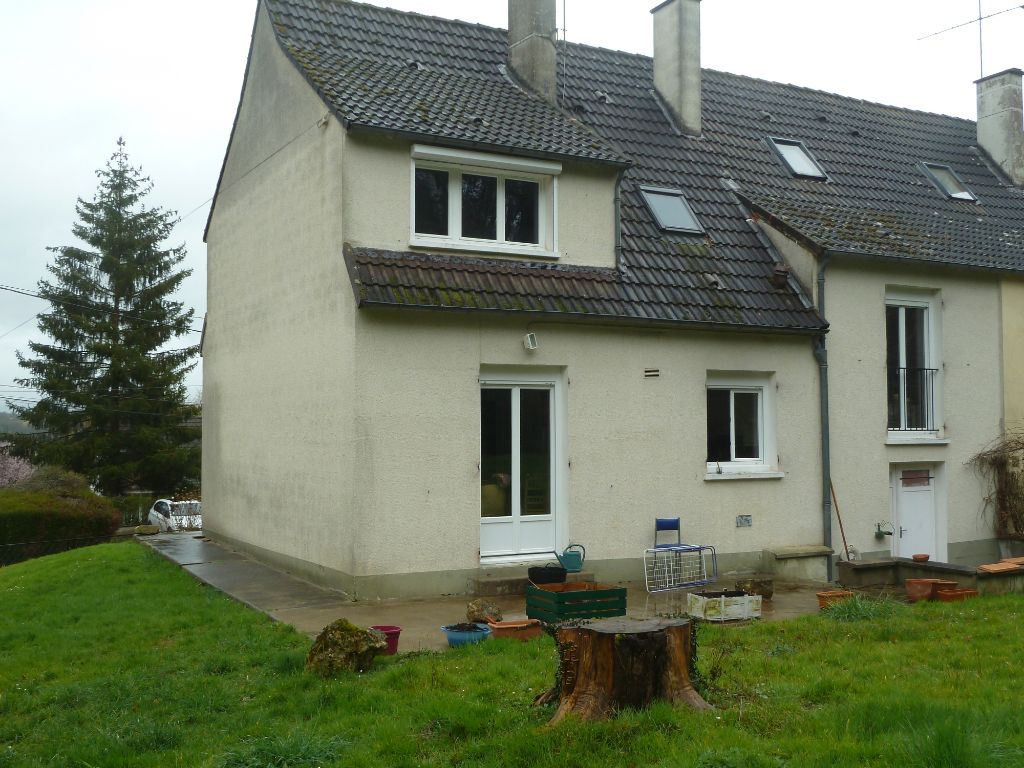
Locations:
column 797, row 158
column 911, row 370
column 945, row 178
column 490, row 203
column 670, row 210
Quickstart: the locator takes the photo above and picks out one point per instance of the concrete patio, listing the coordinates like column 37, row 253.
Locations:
column 309, row 608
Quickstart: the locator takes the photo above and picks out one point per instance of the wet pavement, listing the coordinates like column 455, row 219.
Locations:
column 309, row 608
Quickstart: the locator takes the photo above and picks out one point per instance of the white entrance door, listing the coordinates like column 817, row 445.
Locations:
column 914, row 511
column 517, row 468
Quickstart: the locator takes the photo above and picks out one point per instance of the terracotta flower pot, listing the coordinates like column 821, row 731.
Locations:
column 940, row 584
column 919, row 589
column 956, row 595
column 920, row 558
column 519, row 630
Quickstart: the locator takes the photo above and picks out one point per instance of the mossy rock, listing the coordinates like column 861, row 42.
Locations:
column 344, row 647
column 482, row 610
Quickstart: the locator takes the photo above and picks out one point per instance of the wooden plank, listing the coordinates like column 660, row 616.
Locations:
column 998, row 567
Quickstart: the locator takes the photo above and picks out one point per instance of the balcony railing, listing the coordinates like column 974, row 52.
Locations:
column 911, row 396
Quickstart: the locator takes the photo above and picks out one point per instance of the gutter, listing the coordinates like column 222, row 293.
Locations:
column 821, row 356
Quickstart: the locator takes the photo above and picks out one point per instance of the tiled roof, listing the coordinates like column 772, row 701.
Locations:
column 422, row 281
column 348, row 51
column 876, row 200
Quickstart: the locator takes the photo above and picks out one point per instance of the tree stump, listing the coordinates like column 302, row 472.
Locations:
column 610, row 664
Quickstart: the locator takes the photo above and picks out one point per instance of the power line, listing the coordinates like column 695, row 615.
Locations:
column 321, row 121
column 12, row 330
column 103, row 408
column 972, row 21
column 92, row 307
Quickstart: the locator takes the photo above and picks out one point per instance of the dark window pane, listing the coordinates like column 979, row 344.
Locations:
column 522, row 200
column 496, row 452
column 535, row 450
column 479, row 207
column 915, row 332
column 892, row 365
column 431, row 202
column 747, row 425
column 718, row 425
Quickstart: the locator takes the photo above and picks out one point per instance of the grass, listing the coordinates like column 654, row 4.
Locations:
column 110, row 656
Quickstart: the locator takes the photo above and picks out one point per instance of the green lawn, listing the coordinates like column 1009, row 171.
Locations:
column 110, row 656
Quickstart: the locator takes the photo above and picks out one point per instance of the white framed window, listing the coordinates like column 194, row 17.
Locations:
column 481, row 202
column 913, row 390
column 740, row 423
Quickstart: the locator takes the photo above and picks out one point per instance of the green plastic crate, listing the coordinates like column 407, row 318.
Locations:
column 560, row 602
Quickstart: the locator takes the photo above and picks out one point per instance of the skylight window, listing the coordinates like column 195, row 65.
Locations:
column 943, row 177
column 671, row 210
column 797, row 158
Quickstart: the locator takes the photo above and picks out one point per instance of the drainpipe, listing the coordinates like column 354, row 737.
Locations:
column 618, row 218
column 821, row 355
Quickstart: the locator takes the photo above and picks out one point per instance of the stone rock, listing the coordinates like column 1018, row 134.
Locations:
column 344, row 647
column 146, row 530
column 482, row 610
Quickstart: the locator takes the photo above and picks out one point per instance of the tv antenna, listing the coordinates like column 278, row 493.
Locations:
column 981, row 18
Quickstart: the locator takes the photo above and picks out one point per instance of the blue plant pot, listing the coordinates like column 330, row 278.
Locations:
column 458, row 637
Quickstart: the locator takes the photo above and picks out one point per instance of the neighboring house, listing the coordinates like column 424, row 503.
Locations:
column 489, row 298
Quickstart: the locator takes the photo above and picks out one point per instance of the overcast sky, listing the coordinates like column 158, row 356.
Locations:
column 166, row 77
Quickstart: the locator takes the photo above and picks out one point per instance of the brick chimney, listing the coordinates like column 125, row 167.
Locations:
column 677, row 60
column 532, row 32
column 1001, row 121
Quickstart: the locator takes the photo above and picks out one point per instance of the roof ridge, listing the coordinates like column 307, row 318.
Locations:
column 857, row 99
column 643, row 56
column 399, row 11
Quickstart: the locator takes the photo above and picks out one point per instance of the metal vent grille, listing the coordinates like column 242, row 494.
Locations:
column 652, row 373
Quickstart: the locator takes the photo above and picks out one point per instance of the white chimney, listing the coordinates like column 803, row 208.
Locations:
column 532, row 33
column 677, row 60
column 1001, row 121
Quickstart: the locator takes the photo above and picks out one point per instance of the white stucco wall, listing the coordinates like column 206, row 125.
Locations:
column 971, row 393
column 1013, row 352
column 378, row 169
column 637, row 446
column 277, row 432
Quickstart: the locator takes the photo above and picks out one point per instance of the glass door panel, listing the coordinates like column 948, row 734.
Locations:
column 516, row 469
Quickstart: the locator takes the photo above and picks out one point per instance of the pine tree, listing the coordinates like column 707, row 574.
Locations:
column 113, row 403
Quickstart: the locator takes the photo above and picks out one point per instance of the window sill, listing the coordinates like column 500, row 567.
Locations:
column 774, row 475
column 535, row 557
column 482, row 246
column 903, row 439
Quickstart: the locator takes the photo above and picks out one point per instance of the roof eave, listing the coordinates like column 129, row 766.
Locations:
column 356, row 127
column 596, row 317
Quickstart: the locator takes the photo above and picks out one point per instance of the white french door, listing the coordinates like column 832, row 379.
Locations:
column 517, row 467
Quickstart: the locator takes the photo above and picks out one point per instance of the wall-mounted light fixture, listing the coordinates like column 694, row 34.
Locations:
column 530, row 342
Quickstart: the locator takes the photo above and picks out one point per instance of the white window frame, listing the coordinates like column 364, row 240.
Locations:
column 503, row 167
column 930, row 301
column 763, row 384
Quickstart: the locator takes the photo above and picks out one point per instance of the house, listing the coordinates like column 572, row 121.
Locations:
column 475, row 295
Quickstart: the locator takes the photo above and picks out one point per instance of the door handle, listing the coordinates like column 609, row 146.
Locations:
column 902, row 531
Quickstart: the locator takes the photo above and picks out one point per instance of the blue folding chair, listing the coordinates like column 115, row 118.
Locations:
column 674, row 565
